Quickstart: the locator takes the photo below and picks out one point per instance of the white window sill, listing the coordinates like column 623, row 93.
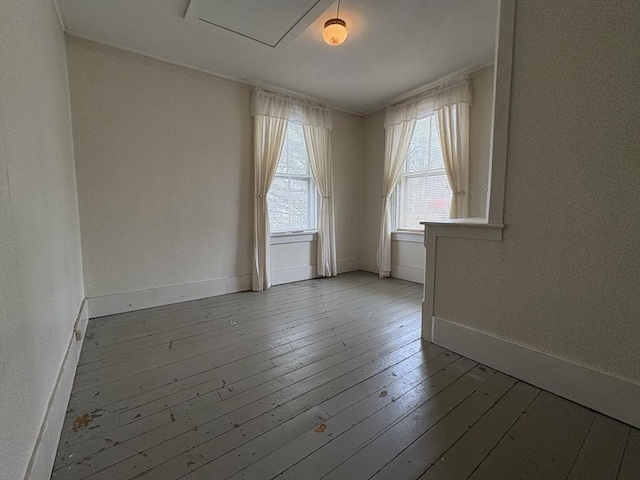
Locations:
column 412, row 236
column 477, row 228
column 293, row 237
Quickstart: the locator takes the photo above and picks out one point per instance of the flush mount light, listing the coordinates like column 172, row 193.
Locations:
column 335, row 30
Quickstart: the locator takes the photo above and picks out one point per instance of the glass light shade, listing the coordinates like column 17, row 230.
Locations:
column 335, row 31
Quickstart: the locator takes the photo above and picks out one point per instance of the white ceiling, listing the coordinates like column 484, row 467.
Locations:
column 394, row 46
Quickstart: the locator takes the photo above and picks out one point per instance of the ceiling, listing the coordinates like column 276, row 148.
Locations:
column 393, row 47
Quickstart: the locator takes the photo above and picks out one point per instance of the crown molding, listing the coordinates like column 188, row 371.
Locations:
column 157, row 62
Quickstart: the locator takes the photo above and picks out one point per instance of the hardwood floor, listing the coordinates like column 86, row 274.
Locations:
column 325, row 379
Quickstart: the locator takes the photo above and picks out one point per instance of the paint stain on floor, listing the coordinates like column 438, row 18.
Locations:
column 81, row 421
column 320, row 428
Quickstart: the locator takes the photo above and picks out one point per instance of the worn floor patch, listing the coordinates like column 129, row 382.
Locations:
column 81, row 421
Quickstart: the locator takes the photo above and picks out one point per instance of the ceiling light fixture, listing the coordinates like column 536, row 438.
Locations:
column 335, row 30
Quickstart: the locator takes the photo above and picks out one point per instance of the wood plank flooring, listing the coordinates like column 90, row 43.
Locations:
column 324, row 378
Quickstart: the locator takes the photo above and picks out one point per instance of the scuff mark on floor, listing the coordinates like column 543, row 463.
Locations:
column 81, row 421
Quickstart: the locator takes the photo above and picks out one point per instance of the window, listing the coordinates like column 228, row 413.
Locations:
column 292, row 197
column 423, row 191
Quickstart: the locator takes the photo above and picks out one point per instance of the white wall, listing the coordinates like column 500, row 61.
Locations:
column 371, row 188
column 407, row 258
column 41, row 276
column 346, row 139
column 479, row 139
column 165, row 174
column 565, row 279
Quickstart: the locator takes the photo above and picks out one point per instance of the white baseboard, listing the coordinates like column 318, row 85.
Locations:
column 368, row 264
column 348, row 265
column 604, row 393
column 156, row 297
column 412, row 274
column 295, row 274
column 403, row 272
column 44, row 452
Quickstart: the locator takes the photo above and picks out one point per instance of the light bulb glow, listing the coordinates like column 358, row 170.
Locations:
column 335, row 31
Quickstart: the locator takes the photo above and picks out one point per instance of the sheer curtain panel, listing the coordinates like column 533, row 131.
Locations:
column 270, row 114
column 452, row 114
column 318, row 141
column 450, row 104
column 399, row 125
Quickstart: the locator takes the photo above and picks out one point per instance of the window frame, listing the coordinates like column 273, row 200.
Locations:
column 398, row 198
column 312, row 195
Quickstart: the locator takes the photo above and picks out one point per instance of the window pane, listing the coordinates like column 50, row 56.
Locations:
column 279, row 204
column 299, row 204
column 438, row 197
column 292, row 197
column 418, row 154
column 436, row 161
column 425, row 195
column 413, row 202
column 293, row 159
column 424, row 199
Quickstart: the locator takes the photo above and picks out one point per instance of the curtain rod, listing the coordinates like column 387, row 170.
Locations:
column 299, row 100
column 432, row 91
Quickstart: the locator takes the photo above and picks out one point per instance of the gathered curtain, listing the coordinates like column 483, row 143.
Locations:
column 271, row 114
column 318, row 141
column 270, row 122
column 399, row 126
column 452, row 116
column 450, row 104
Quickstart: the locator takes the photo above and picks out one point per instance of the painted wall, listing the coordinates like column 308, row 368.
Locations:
column 565, row 279
column 480, row 139
column 371, row 187
column 165, row 173
column 407, row 258
column 41, row 277
column 346, row 141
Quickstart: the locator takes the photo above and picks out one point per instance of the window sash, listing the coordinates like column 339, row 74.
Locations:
column 399, row 198
column 405, row 209
column 312, row 202
column 291, row 158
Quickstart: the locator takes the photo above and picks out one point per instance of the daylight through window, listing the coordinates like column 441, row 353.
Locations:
column 423, row 191
column 292, row 196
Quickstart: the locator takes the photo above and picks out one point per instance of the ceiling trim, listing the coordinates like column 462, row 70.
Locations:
column 153, row 61
column 243, row 84
column 158, row 62
column 430, row 85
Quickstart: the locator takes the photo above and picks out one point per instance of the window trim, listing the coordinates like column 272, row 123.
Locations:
column 408, row 236
column 313, row 199
column 397, row 197
column 293, row 237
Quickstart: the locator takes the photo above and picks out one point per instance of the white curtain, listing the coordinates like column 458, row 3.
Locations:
column 270, row 115
column 399, row 125
column 450, row 103
column 452, row 114
column 318, row 141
